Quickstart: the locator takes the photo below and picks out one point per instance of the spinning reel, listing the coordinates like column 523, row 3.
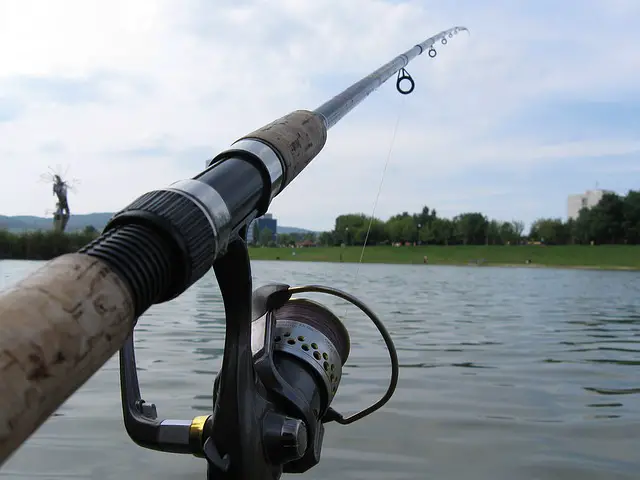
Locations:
column 282, row 366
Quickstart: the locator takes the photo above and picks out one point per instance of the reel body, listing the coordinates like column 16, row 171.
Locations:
column 281, row 369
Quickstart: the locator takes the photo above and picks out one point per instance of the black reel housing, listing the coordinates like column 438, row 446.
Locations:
column 281, row 369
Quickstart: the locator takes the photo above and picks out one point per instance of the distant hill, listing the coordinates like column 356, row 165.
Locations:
column 23, row 223
column 283, row 229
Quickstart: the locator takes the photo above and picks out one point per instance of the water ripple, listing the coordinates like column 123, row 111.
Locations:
column 523, row 373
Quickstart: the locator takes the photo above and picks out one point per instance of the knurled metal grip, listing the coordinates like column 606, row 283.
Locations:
column 181, row 220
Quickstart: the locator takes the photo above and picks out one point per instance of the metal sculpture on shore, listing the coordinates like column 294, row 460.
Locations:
column 61, row 189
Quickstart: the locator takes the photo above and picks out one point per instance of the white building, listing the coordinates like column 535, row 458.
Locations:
column 588, row 199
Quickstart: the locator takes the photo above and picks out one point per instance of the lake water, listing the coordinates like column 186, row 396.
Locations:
column 508, row 373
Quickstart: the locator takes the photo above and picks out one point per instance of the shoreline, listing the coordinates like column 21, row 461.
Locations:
column 566, row 257
column 610, row 268
column 486, row 265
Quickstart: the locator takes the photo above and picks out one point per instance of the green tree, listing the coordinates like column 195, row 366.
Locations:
column 402, row 228
column 352, row 229
column 266, row 237
column 90, row 230
column 472, row 228
column 518, row 229
column 377, row 233
column 442, row 231
column 327, row 239
column 631, row 217
column 41, row 245
column 551, row 231
column 255, row 234
column 285, row 239
column 425, row 218
column 348, row 227
column 507, row 233
column 494, row 233
column 581, row 230
column 607, row 219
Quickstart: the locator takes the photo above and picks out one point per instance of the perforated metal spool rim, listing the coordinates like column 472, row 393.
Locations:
column 291, row 337
column 337, row 330
column 393, row 354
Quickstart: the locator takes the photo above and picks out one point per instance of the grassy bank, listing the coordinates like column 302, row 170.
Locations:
column 574, row 256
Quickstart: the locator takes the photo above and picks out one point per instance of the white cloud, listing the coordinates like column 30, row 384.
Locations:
column 186, row 75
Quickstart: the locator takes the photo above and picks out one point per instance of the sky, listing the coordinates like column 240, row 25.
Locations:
column 540, row 101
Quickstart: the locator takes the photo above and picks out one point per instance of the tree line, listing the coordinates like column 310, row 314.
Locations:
column 265, row 238
column 425, row 227
column 43, row 245
column 614, row 220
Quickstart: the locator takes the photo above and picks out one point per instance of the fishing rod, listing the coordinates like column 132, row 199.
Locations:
column 283, row 354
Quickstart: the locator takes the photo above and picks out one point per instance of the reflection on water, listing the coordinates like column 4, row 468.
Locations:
column 523, row 373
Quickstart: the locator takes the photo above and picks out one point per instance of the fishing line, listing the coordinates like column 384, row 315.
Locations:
column 384, row 172
column 377, row 198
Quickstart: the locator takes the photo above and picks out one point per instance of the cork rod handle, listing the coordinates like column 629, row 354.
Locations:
column 58, row 326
